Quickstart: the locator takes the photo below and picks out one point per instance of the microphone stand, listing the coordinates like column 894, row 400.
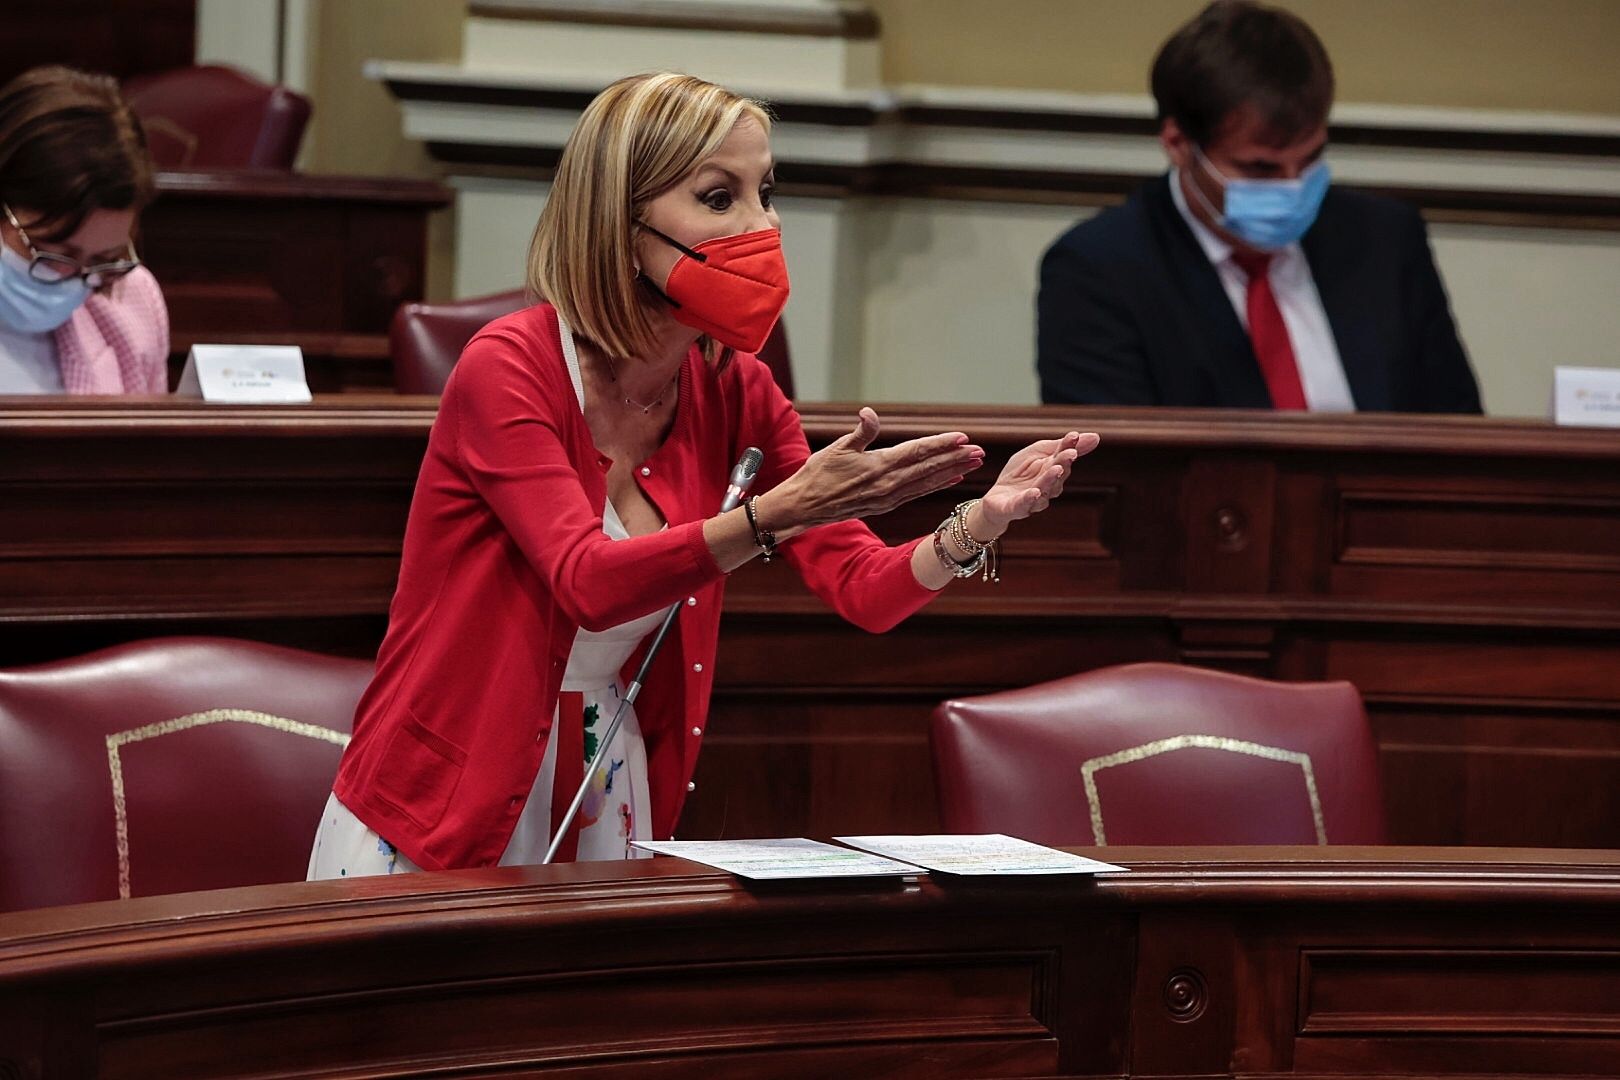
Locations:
column 742, row 478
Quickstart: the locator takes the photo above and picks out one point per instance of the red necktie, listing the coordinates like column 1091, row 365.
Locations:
column 1269, row 334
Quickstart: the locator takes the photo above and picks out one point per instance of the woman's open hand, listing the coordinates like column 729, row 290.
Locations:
column 1033, row 477
column 846, row 480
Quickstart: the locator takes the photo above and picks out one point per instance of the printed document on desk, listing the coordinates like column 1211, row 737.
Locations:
column 780, row 860
column 987, row 854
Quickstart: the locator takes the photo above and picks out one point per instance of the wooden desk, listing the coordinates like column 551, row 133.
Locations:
column 1261, row 962
column 1464, row 573
column 291, row 259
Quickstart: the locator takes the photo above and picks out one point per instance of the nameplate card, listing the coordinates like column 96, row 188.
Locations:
column 245, row 375
column 1586, row 397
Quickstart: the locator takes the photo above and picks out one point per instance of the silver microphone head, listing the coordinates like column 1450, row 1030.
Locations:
column 742, row 476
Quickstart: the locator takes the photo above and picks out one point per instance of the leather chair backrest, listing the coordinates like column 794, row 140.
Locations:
column 166, row 766
column 214, row 117
column 1161, row 754
column 425, row 340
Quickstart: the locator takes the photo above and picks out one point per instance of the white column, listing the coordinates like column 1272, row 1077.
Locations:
column 245, row 34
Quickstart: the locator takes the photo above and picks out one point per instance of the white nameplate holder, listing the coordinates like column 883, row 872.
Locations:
column 245, row 375
column 1586, row 397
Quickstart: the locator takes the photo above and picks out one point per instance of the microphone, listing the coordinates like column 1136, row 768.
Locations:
column 742, row 478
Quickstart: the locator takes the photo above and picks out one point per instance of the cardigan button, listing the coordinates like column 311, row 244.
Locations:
column 697, row 731
column 646, row 471
column 691, row 601
column 697, row 667
column 691, row 785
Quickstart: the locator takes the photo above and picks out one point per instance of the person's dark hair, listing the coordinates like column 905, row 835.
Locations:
column 1238, row 53
column 69, row 146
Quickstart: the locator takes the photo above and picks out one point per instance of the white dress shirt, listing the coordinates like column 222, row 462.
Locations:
column 28, row 363
column 1317, row 354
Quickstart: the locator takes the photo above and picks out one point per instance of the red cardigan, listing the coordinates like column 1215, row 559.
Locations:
column 505, row 560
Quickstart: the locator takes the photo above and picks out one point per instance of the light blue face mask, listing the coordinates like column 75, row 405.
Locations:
column 36, row 307
column 1268, row 214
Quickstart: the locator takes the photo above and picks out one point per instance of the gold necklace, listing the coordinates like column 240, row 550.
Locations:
column 613, row 374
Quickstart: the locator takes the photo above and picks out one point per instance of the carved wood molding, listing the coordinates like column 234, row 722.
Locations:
column 850, row 21
column 279, row 185
column 974, row 171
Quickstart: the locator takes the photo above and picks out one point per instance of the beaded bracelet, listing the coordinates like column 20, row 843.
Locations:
column 984, row 556
column 952, row 567
column 764, row 539
column 959, row 530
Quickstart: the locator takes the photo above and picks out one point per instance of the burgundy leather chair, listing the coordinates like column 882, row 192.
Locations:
column 1160, row 754
column 213, row 117
column 165, row 766
column 425, row 340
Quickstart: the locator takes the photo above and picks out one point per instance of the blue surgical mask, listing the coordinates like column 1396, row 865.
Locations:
column 36, row 307
column 1268, row 214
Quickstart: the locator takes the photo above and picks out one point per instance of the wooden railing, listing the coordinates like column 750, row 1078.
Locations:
column 1261, row 962
column 1463, row 573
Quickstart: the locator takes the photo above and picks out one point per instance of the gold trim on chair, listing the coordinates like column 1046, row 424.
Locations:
column 1090, row 769
column 164, row 126
column 186, row 723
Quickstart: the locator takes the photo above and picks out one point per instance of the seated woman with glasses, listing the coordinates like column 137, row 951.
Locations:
column 78, row 312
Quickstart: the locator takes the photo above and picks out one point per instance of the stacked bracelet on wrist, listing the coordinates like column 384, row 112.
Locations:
column 983, row 556
column 764, row 539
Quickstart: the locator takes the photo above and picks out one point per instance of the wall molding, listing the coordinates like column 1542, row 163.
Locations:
column 850, row 21
column 1462, row 166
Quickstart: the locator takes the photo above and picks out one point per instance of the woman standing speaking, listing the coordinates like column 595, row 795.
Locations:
column 569, row 496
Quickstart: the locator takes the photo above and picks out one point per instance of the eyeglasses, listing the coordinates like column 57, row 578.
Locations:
column 54, row 269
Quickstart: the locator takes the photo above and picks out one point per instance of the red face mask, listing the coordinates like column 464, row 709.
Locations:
column 732, row 288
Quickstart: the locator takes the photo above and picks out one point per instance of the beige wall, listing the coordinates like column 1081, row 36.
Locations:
column 1557, row 55
column 895, row 331
column 356, row 127
column 1553, row 55
column 356, row 124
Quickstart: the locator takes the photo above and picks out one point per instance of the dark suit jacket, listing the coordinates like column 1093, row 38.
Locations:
column 1132, row 313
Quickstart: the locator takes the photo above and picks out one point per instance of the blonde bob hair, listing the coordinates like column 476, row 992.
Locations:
column 634, row 142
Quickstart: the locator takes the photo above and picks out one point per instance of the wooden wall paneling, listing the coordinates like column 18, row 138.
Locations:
column 1489, row 675
column 1400, row 1001
column 1185, row 996
column 1462, row 530
column 1228, row 523
column 321, row 262
column 132, row 37
column 817, row 723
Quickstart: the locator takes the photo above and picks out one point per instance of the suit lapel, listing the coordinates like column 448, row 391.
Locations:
column 1333, row 271
column 1227, row 352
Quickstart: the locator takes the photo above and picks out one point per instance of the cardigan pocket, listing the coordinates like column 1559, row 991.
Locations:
column 420, row 771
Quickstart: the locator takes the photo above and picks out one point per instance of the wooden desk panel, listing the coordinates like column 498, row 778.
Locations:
column 1398, row 553
column 291, row 259
column 1261, row 962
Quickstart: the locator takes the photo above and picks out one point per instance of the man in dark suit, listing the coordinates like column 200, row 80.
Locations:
column 1241, row 278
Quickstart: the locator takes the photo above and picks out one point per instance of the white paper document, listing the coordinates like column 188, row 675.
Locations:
column 778, row 860
column 991, row 853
